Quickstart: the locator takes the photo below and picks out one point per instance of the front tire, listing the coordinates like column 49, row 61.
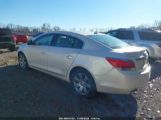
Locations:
column 22, row 62
column 83, row 83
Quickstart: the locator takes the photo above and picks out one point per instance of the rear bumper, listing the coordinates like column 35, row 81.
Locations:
column 122, row 82
column 6, row 45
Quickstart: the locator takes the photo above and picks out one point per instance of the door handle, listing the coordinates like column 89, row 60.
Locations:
column 69, row 56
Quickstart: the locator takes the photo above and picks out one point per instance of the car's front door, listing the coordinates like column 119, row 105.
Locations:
column 64, row 51
column 127, row 36
column 38, row 51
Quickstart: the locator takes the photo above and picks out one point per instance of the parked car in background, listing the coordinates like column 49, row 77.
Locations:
column 20, row 38
column 149, row 39
column 7, row 39
column 92, row 63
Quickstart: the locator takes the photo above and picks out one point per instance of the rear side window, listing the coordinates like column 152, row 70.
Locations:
column 67, row 42
column 126, row 35
column 150, row 36
column 109, row 41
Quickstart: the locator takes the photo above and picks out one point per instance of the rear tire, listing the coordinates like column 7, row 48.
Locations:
column 83, row 83
column 22, row 62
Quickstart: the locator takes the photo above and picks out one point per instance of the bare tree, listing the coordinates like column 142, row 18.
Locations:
column 2, row 25
column 35, row 30
column 46, row 27
column 157, row 24
column 73, row 29
column 144, row 26
column 56, row 28
column 11, row 26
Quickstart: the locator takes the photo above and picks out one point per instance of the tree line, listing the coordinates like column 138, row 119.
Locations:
column 46, row 27
column 30, row 30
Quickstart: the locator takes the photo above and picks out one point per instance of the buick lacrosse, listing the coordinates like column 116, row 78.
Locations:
column 91, row 63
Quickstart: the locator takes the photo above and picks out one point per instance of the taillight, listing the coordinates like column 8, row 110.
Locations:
column 117, row 63
column 14, row 38
column 27, row 37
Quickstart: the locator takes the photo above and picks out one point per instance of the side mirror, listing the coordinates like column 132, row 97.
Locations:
column 30, row 42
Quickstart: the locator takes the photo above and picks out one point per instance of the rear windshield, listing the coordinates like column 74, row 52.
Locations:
column 109, row 41
column 151, row 36
column 5, row 32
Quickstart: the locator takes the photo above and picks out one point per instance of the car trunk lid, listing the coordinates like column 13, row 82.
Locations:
column 137, row 54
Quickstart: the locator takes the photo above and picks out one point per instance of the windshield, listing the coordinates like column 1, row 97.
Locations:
column 109, row 41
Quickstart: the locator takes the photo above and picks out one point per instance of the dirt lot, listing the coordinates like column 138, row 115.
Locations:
column 34, row 94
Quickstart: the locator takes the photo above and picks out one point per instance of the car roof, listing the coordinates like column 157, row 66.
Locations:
column 63, row 32
column 133, row 29
column 75, row 34
column 84, row 37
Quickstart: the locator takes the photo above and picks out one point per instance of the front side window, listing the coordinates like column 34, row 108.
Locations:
column 150, row 36
column 44, row 40
column 126, row 35
column 67, row 42
column 109, row 41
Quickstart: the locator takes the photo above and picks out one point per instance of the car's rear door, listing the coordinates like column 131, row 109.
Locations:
column 63, row 52
column 38, row 51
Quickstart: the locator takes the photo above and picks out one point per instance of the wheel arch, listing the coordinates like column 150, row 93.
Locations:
column 21, row 52
column 79, row 67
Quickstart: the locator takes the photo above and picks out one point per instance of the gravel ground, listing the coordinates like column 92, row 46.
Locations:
column 34, row 94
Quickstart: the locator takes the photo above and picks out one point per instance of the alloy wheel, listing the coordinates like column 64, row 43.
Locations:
column 81, row 83
column 22, row 62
